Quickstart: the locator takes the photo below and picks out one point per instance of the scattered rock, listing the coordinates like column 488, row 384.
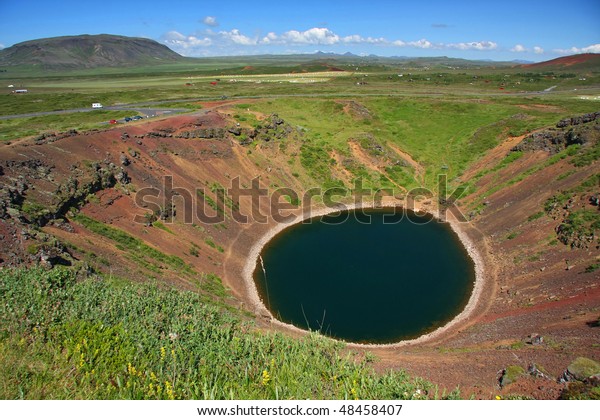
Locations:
column 236, row 131
column 538, row 371
column 124, row 160
column 203, row 133
column 557, row 139
column 581, row 119
column 535, row 339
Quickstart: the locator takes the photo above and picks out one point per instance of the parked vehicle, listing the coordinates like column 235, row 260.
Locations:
column 112, row 122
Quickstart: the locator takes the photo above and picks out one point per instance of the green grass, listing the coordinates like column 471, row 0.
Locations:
column 160, row 225
column 512, row 235
column 93, row 339
column 137, row 250
column 22, row 127
column 560, row 199
column 564, row 154
column 587, row 156
column 443, row 135
column 210, row 242
column 535, row 216
column 578, row 224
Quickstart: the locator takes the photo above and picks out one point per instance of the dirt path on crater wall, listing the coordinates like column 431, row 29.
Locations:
column 494, row 155
column 363, row 158
column 419, row 169
column 341, row 170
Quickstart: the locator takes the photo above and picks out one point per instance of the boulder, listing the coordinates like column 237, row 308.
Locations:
column 581, row 369
column 236, row 131
column 124, row 160
column 535, row 339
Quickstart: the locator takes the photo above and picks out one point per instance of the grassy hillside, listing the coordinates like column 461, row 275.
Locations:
column 104, row 338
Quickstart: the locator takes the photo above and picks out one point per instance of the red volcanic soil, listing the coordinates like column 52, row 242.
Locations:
column 567, row 61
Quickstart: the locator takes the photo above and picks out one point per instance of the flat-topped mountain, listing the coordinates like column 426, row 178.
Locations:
column 87, row 51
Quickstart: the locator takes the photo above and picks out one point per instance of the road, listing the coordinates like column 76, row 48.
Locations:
column 148, row 112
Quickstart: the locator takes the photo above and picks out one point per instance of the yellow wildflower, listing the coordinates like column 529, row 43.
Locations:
column 266, row 378
column 163, row 353
column 131, row 369
column 169, row 390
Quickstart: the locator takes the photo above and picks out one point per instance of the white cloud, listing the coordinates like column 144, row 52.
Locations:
column 313, row 36
column 357, row 39
column 519, row 48
column 422, row 43
column 210, row 21
column 480, row 46
column 182, row 43
column 592, row 49
column 236, row 42
column 574, row 50
column 270, row 38
column 538, row 50
column 425, row 44
column 236, row 37
column 317, row 36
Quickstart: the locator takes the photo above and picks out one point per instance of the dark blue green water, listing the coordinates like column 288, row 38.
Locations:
column 377, row 282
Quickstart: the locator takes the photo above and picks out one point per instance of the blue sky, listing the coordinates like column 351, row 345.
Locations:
column 507, row 30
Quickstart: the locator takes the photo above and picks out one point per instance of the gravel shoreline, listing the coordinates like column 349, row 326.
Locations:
column 256, row 249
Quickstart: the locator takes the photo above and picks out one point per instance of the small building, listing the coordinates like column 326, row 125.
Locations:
column 96, row 105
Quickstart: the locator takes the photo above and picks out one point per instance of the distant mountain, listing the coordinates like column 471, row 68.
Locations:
column 570, row 62
column 522, row 62
column 87, row 51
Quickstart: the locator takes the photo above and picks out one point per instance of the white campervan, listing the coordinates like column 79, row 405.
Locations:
column 96, row 105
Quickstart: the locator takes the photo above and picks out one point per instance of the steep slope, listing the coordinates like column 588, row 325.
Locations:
column 87, row 51
column 571, row 62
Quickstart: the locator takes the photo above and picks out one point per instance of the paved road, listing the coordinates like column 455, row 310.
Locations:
column 148, row 112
